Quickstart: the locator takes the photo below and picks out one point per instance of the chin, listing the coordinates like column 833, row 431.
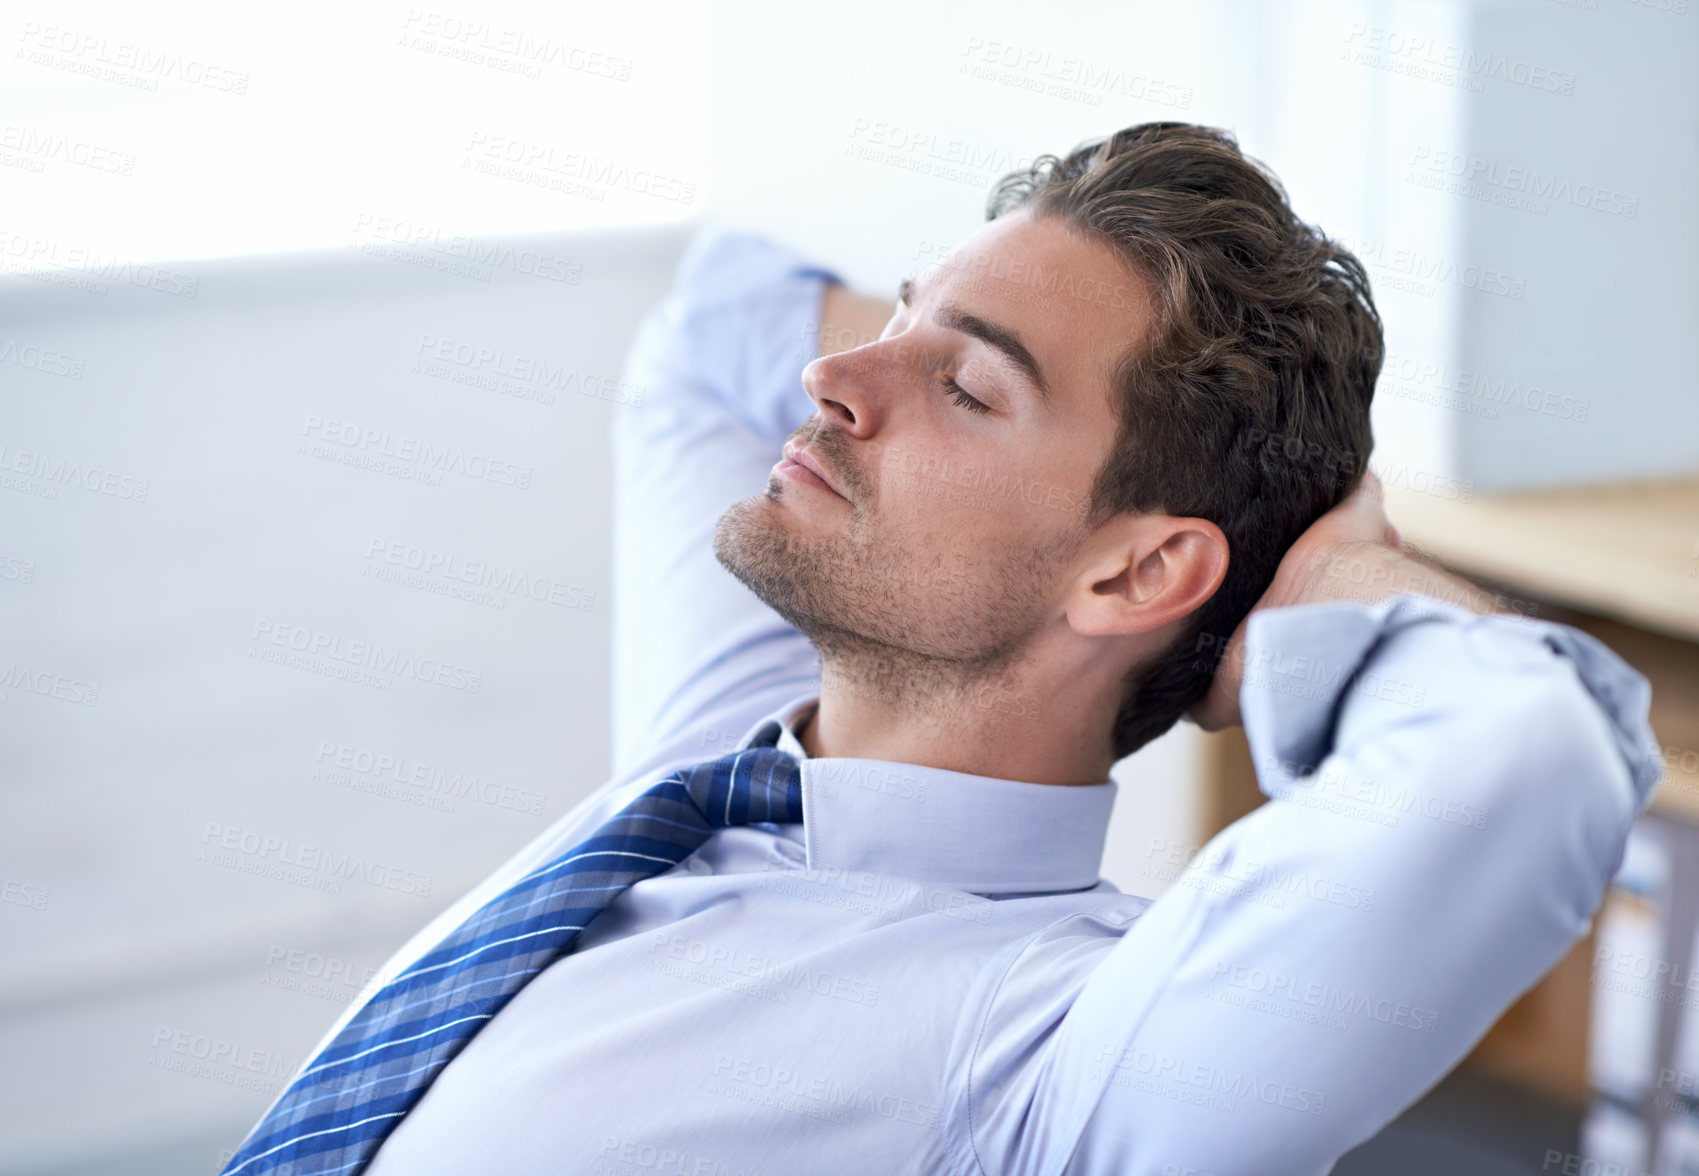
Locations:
column 756, row 542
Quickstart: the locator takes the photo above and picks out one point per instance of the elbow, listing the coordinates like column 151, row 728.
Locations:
column 1572, row 783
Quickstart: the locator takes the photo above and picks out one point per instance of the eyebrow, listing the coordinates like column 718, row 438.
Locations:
column 954, row 318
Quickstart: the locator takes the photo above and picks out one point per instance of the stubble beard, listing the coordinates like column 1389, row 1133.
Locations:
column 932, row 634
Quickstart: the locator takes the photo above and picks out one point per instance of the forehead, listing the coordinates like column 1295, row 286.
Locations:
column 1076, row 304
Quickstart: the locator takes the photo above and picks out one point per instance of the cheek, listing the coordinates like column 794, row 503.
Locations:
column 939, row 470
column 938, row 505
column 948, row 492
column 981, row 502
column 961, row 537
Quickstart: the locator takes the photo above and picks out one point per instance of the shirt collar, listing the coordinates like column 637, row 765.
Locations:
column 980, row 834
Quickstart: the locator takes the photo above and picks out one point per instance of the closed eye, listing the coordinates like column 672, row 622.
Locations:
column 961, row 396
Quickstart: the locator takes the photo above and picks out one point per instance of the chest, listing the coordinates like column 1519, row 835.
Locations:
column 750, row 1020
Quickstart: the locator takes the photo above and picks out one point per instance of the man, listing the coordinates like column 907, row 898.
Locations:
column 1010, row 537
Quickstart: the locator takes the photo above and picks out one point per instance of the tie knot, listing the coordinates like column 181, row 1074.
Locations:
column 756, row 783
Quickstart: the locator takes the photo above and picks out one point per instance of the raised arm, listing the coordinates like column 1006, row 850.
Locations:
column 720, row 361
column 1449, row 794
column 849, row 319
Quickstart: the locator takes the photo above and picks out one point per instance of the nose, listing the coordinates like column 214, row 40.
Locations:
column 848, row 388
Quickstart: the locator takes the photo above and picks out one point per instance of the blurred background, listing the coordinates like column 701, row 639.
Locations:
column 230, row 243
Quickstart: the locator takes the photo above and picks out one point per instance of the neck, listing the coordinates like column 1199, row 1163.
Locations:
column 995, row 725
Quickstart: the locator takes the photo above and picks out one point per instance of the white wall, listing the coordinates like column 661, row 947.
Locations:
column 176, row 129
column 144, row 953
column 1608, row 240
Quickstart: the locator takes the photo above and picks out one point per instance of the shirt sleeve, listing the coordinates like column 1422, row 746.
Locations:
column 1449, row 796
column 720, row 364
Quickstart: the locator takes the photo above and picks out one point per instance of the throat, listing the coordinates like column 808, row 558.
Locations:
column 807, row 733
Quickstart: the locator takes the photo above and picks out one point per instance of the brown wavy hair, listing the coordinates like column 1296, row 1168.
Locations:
column 1250, row 405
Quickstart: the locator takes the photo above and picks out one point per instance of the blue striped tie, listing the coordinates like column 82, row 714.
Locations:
column 337, row 1113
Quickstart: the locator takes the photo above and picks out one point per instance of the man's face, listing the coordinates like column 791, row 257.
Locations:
column 947, row 529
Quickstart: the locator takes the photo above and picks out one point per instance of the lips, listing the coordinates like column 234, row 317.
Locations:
column 802, row 457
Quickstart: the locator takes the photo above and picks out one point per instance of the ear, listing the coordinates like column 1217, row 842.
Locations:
column 1153, row 569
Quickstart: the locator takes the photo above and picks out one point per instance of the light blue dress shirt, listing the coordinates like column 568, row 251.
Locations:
column 927, row 975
